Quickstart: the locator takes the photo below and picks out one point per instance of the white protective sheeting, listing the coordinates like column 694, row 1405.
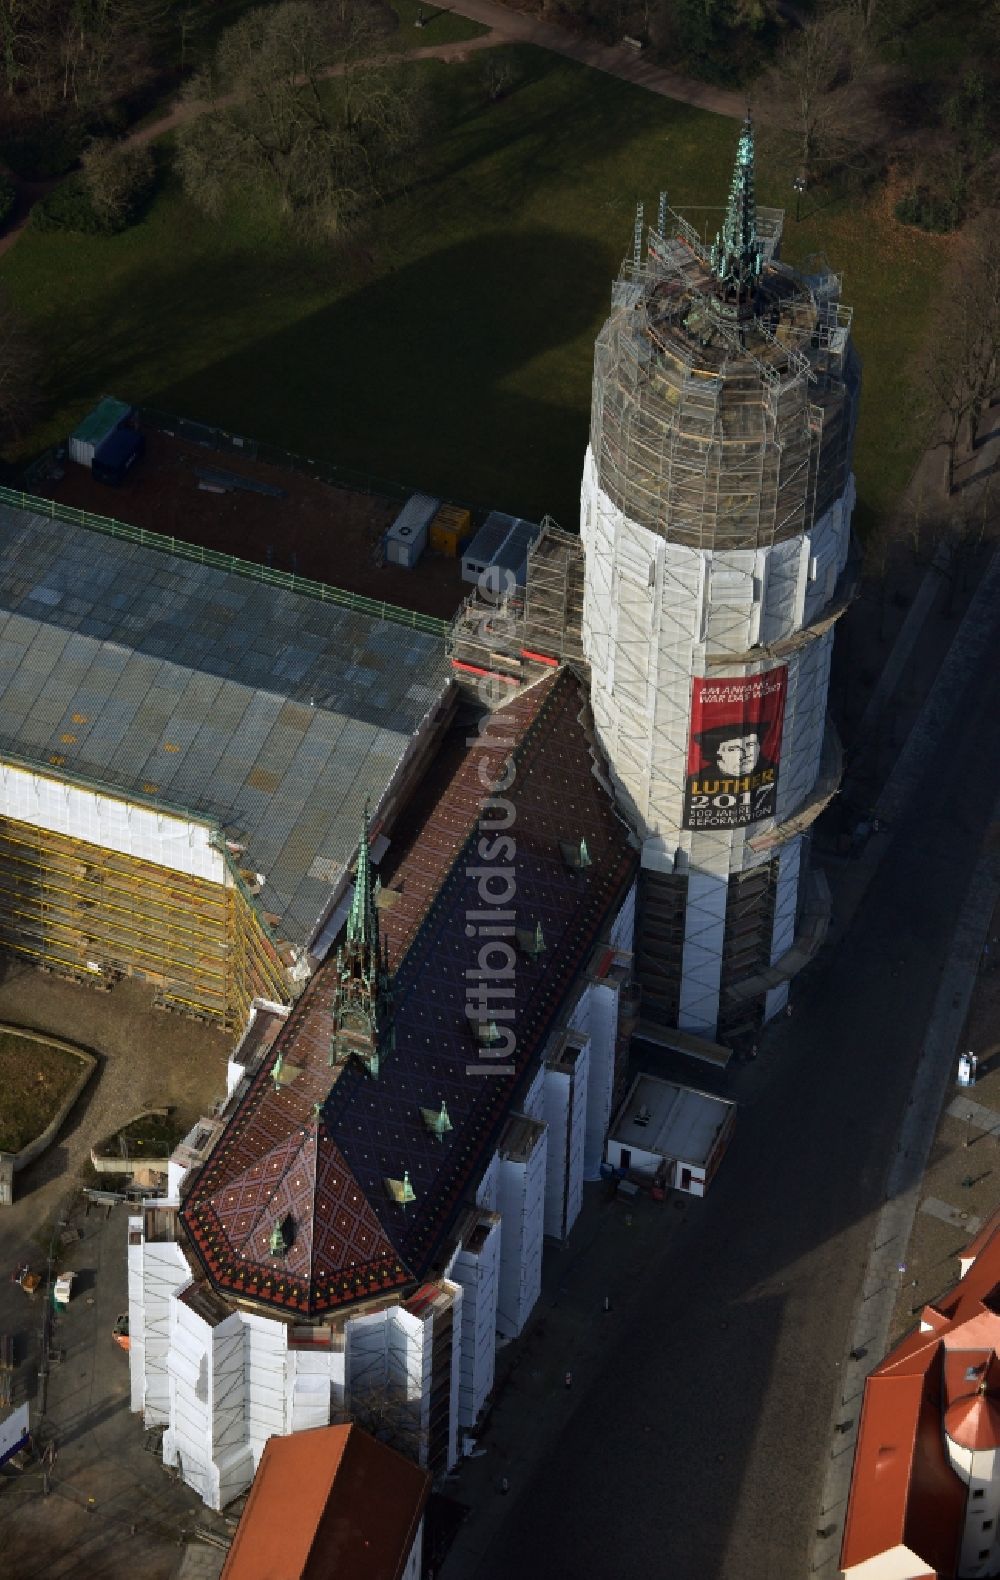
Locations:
column 105, row 820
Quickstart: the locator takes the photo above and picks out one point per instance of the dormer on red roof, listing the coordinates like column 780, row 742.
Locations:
column 329, row 1185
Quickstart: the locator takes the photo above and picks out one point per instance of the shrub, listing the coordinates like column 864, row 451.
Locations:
column 8, row 197
column 68, row 207
column 105, row 197
column 929, row 211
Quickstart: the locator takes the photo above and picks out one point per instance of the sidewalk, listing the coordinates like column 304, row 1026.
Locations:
column 941, row 1187
column 617, row 60
column 570, row 1331
column 936, row 1193
column 609, row 1252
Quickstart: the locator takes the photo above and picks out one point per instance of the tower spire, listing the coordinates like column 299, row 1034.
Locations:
column 362, row 927
column 736, row 253
column 362, row 1005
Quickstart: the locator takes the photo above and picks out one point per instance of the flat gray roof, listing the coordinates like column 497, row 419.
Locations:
column 681, row 1123
column 262, row 708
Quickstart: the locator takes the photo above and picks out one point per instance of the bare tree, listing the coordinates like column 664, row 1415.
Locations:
column 117, row 177
column 79, row 53
column 267, row 123
column 18, row 30
column 819, row 101
column 382, row 1411
column 189, row 17
column 963, row 360
column 20, row 375
column 499, row 73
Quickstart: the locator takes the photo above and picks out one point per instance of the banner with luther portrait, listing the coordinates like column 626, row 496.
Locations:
column 734, row 749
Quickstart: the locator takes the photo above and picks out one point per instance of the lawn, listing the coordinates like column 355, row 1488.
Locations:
column 35, row 1078
column 451, row 347
column 440, row 26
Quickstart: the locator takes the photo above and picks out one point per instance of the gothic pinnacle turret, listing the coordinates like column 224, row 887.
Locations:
column 736, row 254
column 362, row 1009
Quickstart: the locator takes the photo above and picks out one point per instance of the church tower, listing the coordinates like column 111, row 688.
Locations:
column 716, row 507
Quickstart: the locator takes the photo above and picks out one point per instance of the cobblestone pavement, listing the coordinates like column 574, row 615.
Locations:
column 146, row 1057
column 695, row 1437
column 111, row 1509
column 899, row 1270
column 963, row 1170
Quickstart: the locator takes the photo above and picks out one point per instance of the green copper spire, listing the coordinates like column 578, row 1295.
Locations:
column 361, row 925
column 736, row 254
column 362, row 1007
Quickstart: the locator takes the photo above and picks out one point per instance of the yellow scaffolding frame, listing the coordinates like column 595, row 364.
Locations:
column 75, row 905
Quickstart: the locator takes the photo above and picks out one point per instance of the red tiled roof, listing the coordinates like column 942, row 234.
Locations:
column 974, row 1422
column 971, row 1381
column 331, row 1501
column 903, row 1489
column 337, row 1245
column 370, row 1129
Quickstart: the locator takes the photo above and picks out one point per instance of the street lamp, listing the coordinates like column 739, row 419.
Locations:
column 799, row 186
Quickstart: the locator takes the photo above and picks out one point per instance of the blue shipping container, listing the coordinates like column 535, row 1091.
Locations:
column 114, row 459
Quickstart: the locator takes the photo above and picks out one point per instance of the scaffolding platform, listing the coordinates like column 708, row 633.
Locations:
column 684, row 1042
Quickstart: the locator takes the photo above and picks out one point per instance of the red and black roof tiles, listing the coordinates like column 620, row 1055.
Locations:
column 311, row 1155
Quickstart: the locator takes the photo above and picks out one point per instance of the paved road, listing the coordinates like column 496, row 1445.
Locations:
column 700, row 1450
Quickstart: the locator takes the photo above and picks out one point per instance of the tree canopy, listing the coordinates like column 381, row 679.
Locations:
column 301, row 107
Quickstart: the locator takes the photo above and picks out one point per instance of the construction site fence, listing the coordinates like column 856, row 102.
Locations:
column 288, row 581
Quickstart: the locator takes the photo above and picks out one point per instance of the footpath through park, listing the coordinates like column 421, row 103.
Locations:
column 620, row 60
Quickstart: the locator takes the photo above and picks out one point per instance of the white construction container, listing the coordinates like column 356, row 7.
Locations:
column 105, row 419
column 406, row 539
column 502, row 542
column 486, row 545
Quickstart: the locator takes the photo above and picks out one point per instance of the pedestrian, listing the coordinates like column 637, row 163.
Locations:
column 504, row 1485
column 753, row 1050
column 569, row 1379
column 607, row 1302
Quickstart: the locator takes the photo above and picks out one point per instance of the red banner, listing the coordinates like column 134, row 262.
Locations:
column 733, row 749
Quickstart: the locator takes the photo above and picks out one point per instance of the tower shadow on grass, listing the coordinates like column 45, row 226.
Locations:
column 423, row 376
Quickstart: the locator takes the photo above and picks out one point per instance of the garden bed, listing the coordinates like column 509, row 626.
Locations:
column 146, row 1141
column 36, row 1078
